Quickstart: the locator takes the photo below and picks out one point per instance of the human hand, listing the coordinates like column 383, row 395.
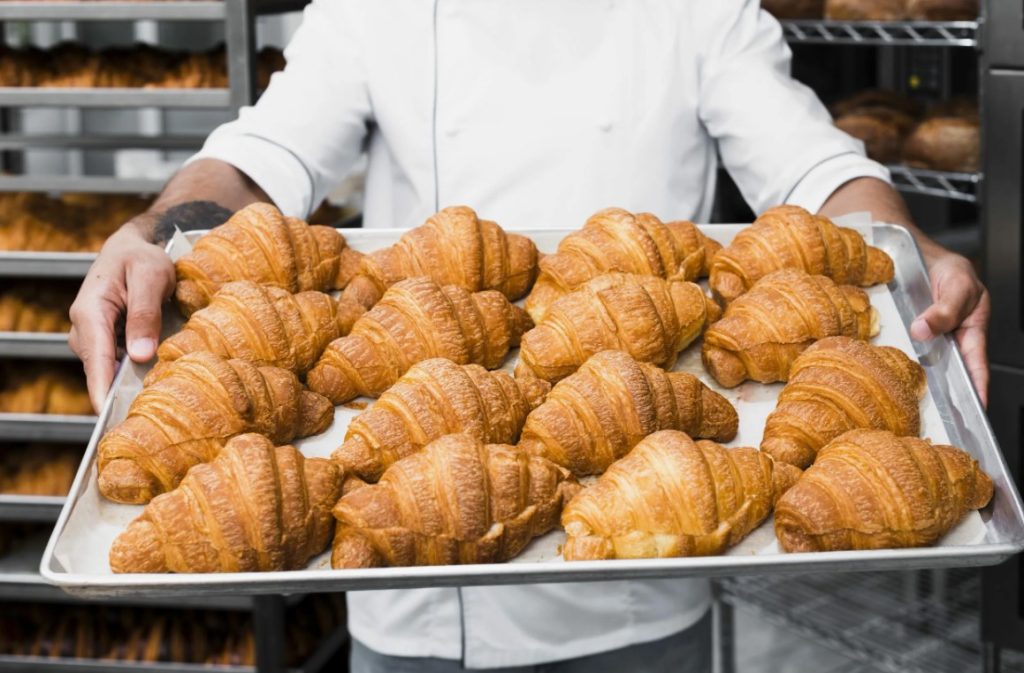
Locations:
column 961, row 306
column 131, row 277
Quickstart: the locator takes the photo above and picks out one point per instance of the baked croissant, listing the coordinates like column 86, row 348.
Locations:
column 453, row 247
column 789, row 237
column 435, row 398
column 27, row 307
column 616, row 240
column 253, row 508
column 870, row 489
column 260, row 244
column 764, row 330
column 416, row 320
column 648, row 317
column 259, row 323
column 43, row 388
column 456, row 501
column 184, row 417
column 839, row 384
column 672, row 497
column 595, row 416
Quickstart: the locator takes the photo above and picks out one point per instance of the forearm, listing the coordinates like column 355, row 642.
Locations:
column 209, row 181
column 885, row 205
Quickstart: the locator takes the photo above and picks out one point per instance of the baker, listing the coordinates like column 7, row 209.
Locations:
column 536, row 113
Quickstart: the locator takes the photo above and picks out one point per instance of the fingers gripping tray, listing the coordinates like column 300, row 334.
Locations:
column 76, row 556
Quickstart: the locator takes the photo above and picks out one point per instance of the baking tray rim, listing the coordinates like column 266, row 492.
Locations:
column 325, row 579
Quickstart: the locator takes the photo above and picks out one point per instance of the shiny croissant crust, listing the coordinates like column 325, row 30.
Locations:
column 453, row 247
column 416, row 320
column 648, row 317
column 617, row 240
column 260, row 244
column 839, row 384
column 789, row 237
column 253, row 508
column 595, row 416
column 434, row 398
column 456, row 501
column 262, row 324
column 672, row 497
column 869, row 489
column 764, row 330
column 185, row 416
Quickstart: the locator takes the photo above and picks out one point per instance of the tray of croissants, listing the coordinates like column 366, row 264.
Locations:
column 460, row 404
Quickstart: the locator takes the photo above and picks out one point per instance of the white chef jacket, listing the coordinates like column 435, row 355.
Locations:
column 536, row 113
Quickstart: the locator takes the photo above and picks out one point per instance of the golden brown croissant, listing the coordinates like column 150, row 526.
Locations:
column 260, row 244
column 648, row 317
column 789, row 237
column 259, row 323
column 672, row 497
column 595, row 416
column 764, row 330
column 870, row 489
column 435, row 398
column 456, row 501
column 839, row 384
column 27, row 307
column 617, row 240
column 39, row 469
column 190, row 410
column 416, row 320
column 453, row 247
column 253, row 508
column 43, row 389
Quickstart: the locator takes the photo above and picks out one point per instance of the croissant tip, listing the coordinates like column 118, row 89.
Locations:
column 124, row 481
column 726, row 367
column 333, row 385
column 138, row 550
column 788, row 451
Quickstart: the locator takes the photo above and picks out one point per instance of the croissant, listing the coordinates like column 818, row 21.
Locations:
column 259, row 323
column 453, row 247
column 456, row 501
column 616, row 240
column 870, row 489
column 764, row 330
column 672, row 497
column 839, row 384
column 435, row 398
column 190, row 410
column 253, row 508
column 43, row 389
column 38, row 469
column 595, row 416
column 789, row 237
column 260, row 244
column 648, row 317
column 416, row 320
column 27, row 307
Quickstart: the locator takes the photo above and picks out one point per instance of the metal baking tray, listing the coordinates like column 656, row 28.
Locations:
column 35, row 508
column 46, row 427
column 76, row 555
column 48, row 345
column 45, row 264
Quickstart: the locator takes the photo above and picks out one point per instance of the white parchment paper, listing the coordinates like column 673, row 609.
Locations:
column 95, row 522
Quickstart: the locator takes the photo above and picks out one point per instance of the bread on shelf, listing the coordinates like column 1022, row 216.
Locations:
column 794, row 9
column 948, row 140
column 840, row 384
column 43, row 388
column 764, row 330
column 456, row 501
column 270, row 508
column 416, row 320
column 671, row 496
column 595, row 416
column 648, row 317
column 869, row 489
column 36, row 307
column 615, row 240
column 70, row 223
column 866, row 10
column 789, row 237
column 38, row 469
column 434, row 398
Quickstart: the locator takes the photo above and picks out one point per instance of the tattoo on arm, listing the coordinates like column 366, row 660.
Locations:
column 187, row 216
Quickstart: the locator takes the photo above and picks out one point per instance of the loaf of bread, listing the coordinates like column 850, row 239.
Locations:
column 794, row 9
column 942, row 10
column 865, row 10
column 945, row 143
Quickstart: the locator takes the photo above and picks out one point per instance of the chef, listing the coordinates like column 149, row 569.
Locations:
column 536, row 113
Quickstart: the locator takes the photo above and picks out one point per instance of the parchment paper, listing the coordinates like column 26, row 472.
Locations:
column 95, row 522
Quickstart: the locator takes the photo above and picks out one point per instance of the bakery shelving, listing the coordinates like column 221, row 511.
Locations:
column 881, row 33
column 32, row 508
column 947, row 185
column 97, row 184
column 46, row 427
column 45, row 264
column 114, row 98
column 45, row 345
column 21, row 142
column 882, row 619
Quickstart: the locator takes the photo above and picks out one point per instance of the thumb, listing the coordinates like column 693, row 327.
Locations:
column 142, row 318
column 954, row 301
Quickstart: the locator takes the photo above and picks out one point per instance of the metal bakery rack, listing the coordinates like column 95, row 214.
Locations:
column 19, row 569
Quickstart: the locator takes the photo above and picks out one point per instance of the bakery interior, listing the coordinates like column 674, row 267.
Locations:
column 100, row 103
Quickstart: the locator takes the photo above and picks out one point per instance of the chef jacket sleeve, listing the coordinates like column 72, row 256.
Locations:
column 307, row 129
column 775, row 137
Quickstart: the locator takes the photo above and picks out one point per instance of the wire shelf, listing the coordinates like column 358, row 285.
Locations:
column 881, row 619
column 943, row 184
column 881, row 33
column 120, row 10
column 46, row 345
column 113, row 97
column 93, row 184
column 99, row 142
